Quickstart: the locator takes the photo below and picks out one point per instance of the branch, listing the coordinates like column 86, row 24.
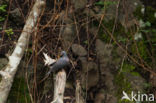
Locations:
column 14, row 60
column 78, row 93
column 59, row 87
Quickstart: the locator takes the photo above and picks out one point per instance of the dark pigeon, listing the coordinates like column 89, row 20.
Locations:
column 60, row 63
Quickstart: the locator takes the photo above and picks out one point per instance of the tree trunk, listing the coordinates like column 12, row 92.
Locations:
column 14, row 60
column 59, row 86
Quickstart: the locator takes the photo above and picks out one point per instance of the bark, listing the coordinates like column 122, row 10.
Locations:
column 59, row 87
column 15, row 58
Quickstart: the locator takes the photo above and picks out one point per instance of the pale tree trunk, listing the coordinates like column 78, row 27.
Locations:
column 59, row 86
column 15, row 58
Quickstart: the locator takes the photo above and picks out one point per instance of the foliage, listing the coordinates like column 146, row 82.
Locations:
column 85, row 42
column 105, row 3
column 147, row 22
column 122, row 37
column 9, row 32
column 147, row 27
column 150, row 15
column 129, row 68
column 2, row 18
column 19, row 92
column 123, row 85
column 2, row 12
column 3, row 8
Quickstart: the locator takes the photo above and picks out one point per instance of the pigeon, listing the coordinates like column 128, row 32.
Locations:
column 62, row 62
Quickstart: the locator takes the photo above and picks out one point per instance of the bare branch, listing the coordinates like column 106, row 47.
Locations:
column 78, row 93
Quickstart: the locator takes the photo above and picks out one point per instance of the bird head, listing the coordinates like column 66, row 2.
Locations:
column 63, row 53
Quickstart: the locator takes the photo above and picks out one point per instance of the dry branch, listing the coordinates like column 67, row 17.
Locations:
column 59, row 87
column 78, row 93
column 14, row 60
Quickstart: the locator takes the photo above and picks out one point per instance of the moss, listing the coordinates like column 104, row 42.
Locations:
column 137, row 13
column 148, row 31
column 149, row 15
column 142, row 50
column 110, row 25
column 123, row 85
column 19, row 92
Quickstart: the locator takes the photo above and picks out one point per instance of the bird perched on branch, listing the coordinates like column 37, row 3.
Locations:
column 59, row 64
column 55, row 65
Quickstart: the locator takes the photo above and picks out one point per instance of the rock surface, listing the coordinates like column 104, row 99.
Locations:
column 136, row 82
column 90, row 79
column 3, row 62
column 68, row 31
column 79, row 50
column 104, row 57
column 79, row 4
column 89, row 73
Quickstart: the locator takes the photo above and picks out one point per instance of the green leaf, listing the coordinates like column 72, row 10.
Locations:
column 145, row 31
column 127, row 68
column 148, row 24
column 147, row 85
column 3, row 8
column 85, row 42
column 100, row 3
column 121, row 39
column 154, row 30
column 9, row 32
column 135, row 73
column 2, row 19
column 106, row 3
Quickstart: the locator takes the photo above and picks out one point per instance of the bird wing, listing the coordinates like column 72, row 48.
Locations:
column 59, row 64
column 48, row 60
